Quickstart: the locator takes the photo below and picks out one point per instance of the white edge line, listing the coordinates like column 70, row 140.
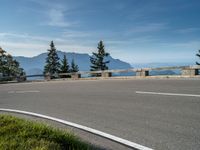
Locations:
column 94, row 131
column 169, row 94
column 21, row 92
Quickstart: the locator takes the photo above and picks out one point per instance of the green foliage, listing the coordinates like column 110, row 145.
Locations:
column 64, row 65
column 198, row 55
column 97, row 59
column 52, row 61
column 64, row 68
column 9, row 66
column 74, row 67
column 20, row 134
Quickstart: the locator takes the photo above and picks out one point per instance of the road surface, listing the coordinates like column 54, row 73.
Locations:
column 160, row 114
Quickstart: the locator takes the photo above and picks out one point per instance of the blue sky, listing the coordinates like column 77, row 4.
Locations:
column 136, row 31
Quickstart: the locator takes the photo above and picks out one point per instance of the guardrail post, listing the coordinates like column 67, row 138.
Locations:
column 189, row 71
column 75, row 75
column 142, row 73
column 106, row 74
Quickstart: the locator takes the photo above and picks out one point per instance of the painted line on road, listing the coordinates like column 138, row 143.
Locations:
column 168, row 94
column 87, row 129
column 21, row 92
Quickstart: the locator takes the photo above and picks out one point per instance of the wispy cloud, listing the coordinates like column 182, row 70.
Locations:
column 23, row 49
column 187, row 30
column 192, row 45
column 57, row 18
column 30, row 45
column 76, row 34
column 7, row 36
column 137, row 40
column 55, row 13
column 151, row 27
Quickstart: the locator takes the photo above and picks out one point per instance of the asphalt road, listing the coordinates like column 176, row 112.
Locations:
column 114, row 106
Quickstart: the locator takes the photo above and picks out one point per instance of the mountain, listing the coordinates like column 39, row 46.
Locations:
column 35, row 65
column 161, row 64
column 164, row 72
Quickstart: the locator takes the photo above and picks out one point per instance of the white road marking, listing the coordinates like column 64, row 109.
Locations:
column 21, row 92
column 87, row 129
column 168, row 94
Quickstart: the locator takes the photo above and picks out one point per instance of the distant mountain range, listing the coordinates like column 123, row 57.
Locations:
column 35, row 65
column 162, row 64
column 163, row 72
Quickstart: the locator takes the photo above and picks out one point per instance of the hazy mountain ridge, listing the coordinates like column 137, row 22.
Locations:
column 35, row 65
column 162, row 64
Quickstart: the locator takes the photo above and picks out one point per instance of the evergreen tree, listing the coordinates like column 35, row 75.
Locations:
column 74, row 67
column 97, row 59
column 64, row 67
column 198, row 55
column 52, row 61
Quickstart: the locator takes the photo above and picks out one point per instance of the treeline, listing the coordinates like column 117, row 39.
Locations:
column 9, row 67
column 54, row 66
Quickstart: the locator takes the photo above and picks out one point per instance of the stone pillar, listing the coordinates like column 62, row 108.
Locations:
column 21, row 79
column 47, row 76
column 75, row 75
column 142, row 73
column 189, row 72
column 106, row 74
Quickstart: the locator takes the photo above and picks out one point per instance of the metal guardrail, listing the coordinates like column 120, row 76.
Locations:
column 186, row 70
column 141, row 72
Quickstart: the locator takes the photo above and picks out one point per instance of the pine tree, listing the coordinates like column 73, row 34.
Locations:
column 74, row 67
column 64, row 67
column 198, row 55
column 97, row 59
column 52, row 61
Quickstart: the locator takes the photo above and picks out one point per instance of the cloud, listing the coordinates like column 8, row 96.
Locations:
column 151, row 27
column 33, row 49
column 28, row 45
column 187, row 30
column 57, row 18
column 136, row 40
column 9, row 36
column 193, row 45
column 76, row 34
column 55, row 13
column 48, row 4
column 23, row 49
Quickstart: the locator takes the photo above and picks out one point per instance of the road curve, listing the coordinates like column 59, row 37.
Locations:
column 159, row 121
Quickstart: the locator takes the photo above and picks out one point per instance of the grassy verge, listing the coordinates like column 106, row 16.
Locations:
column 20, row 134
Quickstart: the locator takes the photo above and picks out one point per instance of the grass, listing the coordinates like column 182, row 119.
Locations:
column 20, row 134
